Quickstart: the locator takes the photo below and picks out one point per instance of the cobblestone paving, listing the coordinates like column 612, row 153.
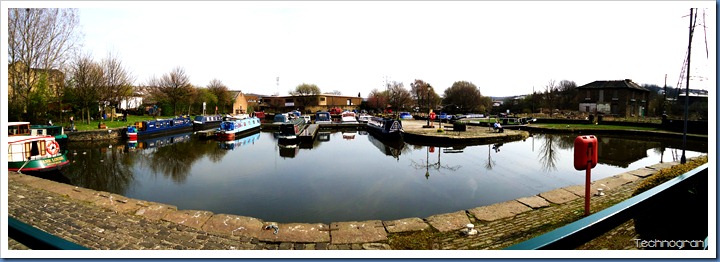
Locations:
column 505, row 232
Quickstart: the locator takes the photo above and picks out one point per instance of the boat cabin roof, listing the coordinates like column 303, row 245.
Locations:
column 16, row 139
column 18, row 123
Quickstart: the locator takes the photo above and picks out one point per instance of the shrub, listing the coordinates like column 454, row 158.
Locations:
column 666, row 174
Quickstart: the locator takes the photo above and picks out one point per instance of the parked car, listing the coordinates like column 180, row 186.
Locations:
column 335, row 111
column 405, row 115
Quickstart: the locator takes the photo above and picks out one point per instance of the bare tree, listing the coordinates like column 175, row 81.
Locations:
column 173, row 87
column 549, row 95
column 222, row 94
column 334, row 92
column 38, row 39
column 118, row 81
column 86, row 82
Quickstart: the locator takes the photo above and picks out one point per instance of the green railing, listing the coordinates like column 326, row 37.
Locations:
column 37, row 239
column 579, row 232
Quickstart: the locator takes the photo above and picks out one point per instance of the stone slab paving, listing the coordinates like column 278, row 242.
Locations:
column 305, row 233
column 155, row 211
column 643, row 172
column 449, row 221
column 660, row 166
column 192, row 218
column 405, row 225
column 610, row 183
column 558, row 196
column 233, row 225
column 534, row 202
column 357, row 232
column 499, row 210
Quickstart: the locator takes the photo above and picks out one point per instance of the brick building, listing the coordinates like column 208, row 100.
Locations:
column 623, row 98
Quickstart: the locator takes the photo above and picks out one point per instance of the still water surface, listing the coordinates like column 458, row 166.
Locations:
column 346, row 175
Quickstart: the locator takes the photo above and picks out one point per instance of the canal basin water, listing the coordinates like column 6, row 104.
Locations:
column 346, row 175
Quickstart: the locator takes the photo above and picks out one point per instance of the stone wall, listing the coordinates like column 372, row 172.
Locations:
column 99, row 134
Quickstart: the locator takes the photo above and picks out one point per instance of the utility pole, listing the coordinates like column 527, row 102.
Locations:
column 683, row 160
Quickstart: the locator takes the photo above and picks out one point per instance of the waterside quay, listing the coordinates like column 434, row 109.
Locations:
column 105, row 221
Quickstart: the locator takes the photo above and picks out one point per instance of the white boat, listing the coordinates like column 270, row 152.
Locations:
column 364, row 118
column 348, row 117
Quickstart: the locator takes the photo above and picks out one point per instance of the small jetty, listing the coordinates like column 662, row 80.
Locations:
column 206, row 134
column 308, row 135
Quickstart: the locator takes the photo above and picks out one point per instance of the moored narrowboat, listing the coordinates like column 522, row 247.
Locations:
column 290, row 131
column 234, row 127
column 207, row 122
column 158, row 126
column 387, row 128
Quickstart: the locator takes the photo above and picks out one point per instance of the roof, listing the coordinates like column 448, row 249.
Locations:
column 614, row 84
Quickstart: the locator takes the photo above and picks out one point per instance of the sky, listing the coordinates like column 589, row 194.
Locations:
column 504, row 48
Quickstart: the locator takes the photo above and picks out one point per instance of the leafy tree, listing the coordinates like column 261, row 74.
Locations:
column 399, row 98
column 302, row 94
column 207, row 96
column 38, row 39
column 377, row 100
column 222, row 94
column 173, row 87
column 466, row 96
column 424, row 95
column 567, row 95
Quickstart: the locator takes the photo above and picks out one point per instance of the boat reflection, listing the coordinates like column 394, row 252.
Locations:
column 288, row 150
column 323, row 136
column 242, row 141
column 155, row 142
column 389, row 147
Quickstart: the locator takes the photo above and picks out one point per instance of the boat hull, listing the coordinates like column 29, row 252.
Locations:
column 385, row 128
column 235, row 128
column 40, row 165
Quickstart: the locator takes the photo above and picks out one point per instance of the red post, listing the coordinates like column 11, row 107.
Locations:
column 587, row 189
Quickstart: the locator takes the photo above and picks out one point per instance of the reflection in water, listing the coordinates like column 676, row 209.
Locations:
column 288, row 150
column 489, row 163
column 379, row 179
column 549, row 153
column 241, row 141
column 437, row 165
column 388, row 147
column 104, row 168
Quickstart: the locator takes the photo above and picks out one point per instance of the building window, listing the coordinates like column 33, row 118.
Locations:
column 587, row 95
column 349, row 102
column 288, row 100
column 322, row 99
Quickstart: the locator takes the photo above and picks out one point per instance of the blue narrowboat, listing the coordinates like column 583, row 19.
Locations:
column 233, row 127
column 158, row 126
column 207, row 122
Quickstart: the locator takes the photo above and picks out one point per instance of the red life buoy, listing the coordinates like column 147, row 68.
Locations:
column 52, row 148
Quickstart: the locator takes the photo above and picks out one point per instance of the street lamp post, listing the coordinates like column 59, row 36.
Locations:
column 427, row 96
